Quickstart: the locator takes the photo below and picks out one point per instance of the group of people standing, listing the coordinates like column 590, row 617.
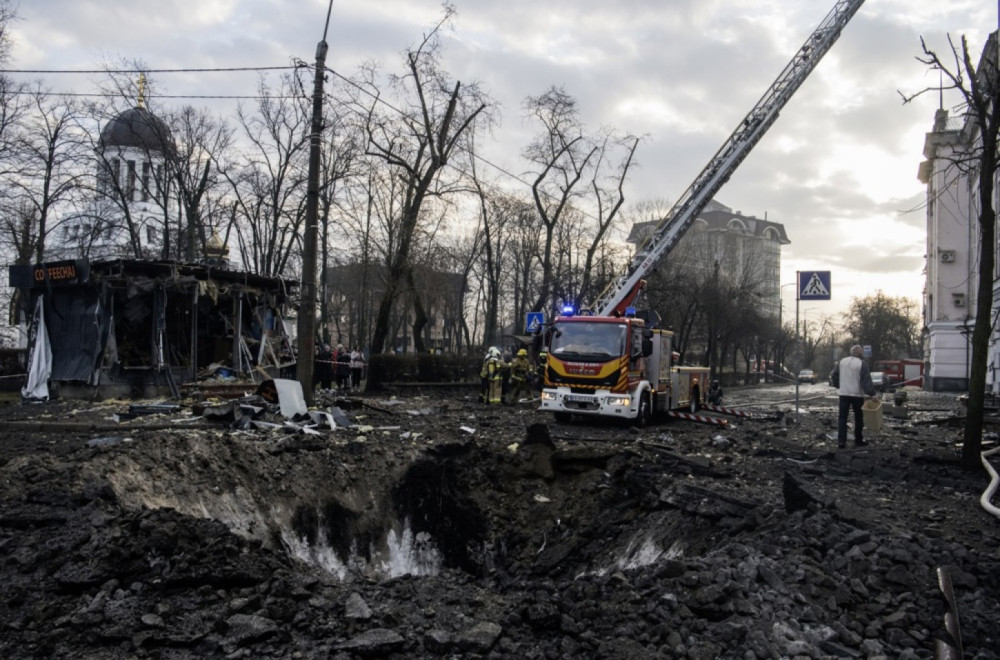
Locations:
column 340, row 366
column 506, row 379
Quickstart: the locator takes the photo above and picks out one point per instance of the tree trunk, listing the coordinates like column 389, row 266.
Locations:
column 973, row 439
column 419, row 314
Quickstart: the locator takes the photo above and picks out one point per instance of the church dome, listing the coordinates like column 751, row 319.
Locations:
column 140, row 128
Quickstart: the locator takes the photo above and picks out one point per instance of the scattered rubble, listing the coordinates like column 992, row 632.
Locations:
column 425, row 527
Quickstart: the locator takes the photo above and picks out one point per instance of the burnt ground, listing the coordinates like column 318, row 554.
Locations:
column 438, row 527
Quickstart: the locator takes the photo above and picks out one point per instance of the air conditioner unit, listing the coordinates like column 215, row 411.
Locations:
column 947, row 256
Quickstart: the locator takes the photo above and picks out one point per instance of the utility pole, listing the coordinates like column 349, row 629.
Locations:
column 307, row 291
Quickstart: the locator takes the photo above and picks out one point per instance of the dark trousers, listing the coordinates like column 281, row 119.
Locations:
column 848, row 403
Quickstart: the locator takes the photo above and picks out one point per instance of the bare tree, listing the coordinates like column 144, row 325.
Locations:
column 562, row 155
column 523, row 257
column 416, row 141
column 497, row 216
column 360, row 224
column 979, row 88
column 18, row 232
column 607, row 189
column 814, row 335
column 578, row 193
column 463, row 251
column 13, row 107
column 202, row 140
column 340, row 157
column 268, row 181
column 52, row 154
column 709, row 292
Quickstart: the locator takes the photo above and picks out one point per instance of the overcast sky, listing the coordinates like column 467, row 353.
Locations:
column 838, row 169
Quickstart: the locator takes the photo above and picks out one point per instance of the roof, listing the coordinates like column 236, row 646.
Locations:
column 720, row 217
column 138, row 127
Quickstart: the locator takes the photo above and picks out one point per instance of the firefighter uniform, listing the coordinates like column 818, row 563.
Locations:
column 493, row 367
column 539, row 377
column 715, row 393
column 519, row 371
column 484, row 380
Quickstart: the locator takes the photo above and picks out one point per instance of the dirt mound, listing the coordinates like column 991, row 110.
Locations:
column 444, row 528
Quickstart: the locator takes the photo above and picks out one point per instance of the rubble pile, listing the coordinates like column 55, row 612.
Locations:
column 434, row 528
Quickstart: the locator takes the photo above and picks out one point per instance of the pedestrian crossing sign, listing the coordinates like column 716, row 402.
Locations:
column 533, row 322
column 814, row 285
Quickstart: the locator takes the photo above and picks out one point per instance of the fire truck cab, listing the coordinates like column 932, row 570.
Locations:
column 613, row 367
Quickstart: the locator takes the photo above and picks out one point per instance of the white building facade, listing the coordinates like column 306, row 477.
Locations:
column 134, row 206
column 952, row 257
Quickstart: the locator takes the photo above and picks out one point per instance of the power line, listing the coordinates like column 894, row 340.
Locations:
column 211, row 70
column 166, row 96
column 299, row 65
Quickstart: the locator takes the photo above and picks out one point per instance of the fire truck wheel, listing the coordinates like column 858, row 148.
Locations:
column 645, row 411
column 564, row 417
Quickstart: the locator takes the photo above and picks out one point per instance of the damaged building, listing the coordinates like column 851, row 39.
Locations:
column 146, row 328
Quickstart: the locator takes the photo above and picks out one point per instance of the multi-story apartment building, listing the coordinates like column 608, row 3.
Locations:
column 737, row 244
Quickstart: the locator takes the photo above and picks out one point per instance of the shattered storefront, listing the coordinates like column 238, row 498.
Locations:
column 141, row 328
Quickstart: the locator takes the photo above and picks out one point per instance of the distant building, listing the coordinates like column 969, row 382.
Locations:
column 741, row 244
column 107, row 315
column 148, row 328
column 354, row 291
column 952, row 257
column 134, row 201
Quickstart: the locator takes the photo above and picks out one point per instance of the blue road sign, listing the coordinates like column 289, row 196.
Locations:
column 533, row 321
column 814, row 285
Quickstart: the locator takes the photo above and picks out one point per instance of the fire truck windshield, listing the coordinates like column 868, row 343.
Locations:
column 588, row 341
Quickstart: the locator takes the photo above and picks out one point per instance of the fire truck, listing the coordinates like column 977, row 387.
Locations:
column 615, row 366
column 613, row 361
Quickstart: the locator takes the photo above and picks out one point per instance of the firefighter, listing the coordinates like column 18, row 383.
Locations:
column 715, row 393
column 539, row 376
column 520, row 369
column 484, row 380
column 695, row 395
column 493, row 367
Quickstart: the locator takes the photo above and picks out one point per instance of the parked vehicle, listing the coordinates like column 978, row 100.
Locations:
column 882, row 381
column 903, row 372
column 605, row 366
column 808, row 376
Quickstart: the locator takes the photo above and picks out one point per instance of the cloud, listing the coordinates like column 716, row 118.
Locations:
column 836, row 168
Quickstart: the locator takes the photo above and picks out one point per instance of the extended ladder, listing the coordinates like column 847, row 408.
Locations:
column 748, row 133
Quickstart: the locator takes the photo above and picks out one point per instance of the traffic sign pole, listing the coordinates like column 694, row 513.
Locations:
column 798, row 296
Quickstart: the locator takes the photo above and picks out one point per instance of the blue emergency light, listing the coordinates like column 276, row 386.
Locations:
column 630, row 311
column 568, row 310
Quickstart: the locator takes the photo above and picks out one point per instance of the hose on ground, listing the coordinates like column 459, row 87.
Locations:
column 987, row 496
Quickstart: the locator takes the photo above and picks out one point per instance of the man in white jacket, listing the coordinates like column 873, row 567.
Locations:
column 853, row 381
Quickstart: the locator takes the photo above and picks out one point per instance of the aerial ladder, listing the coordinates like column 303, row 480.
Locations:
column 610, row 363
column 623, row 290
